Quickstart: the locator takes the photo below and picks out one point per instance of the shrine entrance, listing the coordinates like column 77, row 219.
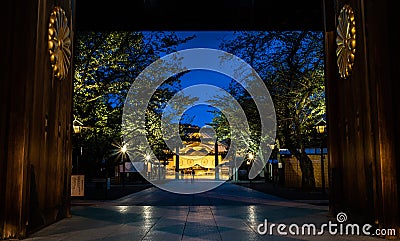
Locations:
column 363, row 106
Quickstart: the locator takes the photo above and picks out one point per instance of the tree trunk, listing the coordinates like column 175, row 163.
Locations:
column 307, row 169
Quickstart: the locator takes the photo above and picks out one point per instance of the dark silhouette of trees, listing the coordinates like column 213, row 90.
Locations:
column 292, row 67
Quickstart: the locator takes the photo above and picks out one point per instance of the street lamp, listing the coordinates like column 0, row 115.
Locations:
column 123, row 149
column 321, row 130
column 273, row 172
column 250, row 158
column 147, row 160
column 123, row 152
column 77, row 126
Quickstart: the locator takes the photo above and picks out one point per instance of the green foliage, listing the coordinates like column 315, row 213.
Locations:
column 292, row 67
column 105, row 66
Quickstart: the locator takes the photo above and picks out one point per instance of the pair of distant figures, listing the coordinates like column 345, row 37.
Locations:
column 192, row 172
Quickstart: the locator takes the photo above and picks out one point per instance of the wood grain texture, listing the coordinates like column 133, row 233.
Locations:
column 363, row 120
column 35, row 157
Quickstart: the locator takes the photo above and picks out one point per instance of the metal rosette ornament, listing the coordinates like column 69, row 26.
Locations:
column 346, row 41
column 59, row 43
column 147, row 83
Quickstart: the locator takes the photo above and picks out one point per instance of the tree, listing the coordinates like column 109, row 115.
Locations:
column 291, row 65
column 106, row 64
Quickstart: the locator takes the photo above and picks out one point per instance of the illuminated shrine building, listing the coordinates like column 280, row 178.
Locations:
column 198, row 154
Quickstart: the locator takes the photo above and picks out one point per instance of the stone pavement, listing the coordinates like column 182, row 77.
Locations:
column 229, row 212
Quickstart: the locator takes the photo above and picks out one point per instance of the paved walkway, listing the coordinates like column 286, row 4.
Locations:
column 229, row 212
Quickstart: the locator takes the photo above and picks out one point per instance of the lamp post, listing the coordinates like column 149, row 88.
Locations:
column 270, row 166
column 147, row 160
column 216, row 159
column 321, row 129
column 250, row 158
column 123, row 152
column 77, row 126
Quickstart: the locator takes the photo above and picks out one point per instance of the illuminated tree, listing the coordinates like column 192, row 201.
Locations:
column 291, row 65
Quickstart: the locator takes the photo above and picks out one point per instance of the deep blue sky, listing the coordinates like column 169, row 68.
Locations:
column 204, row 39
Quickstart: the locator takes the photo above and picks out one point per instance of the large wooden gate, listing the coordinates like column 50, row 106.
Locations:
column 362, row 103
column 36, row 97
column 363, row 110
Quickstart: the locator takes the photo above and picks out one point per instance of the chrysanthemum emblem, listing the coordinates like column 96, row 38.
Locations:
column 346, row 41
column 59, row 43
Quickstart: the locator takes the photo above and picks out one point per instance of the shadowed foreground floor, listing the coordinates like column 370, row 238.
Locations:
column 229, row 212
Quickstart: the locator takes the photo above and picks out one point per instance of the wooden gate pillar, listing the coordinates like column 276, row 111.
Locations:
column 35, row 120
column 362, row 68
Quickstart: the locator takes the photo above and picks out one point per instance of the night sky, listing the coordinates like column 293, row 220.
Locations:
column 200, row 114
